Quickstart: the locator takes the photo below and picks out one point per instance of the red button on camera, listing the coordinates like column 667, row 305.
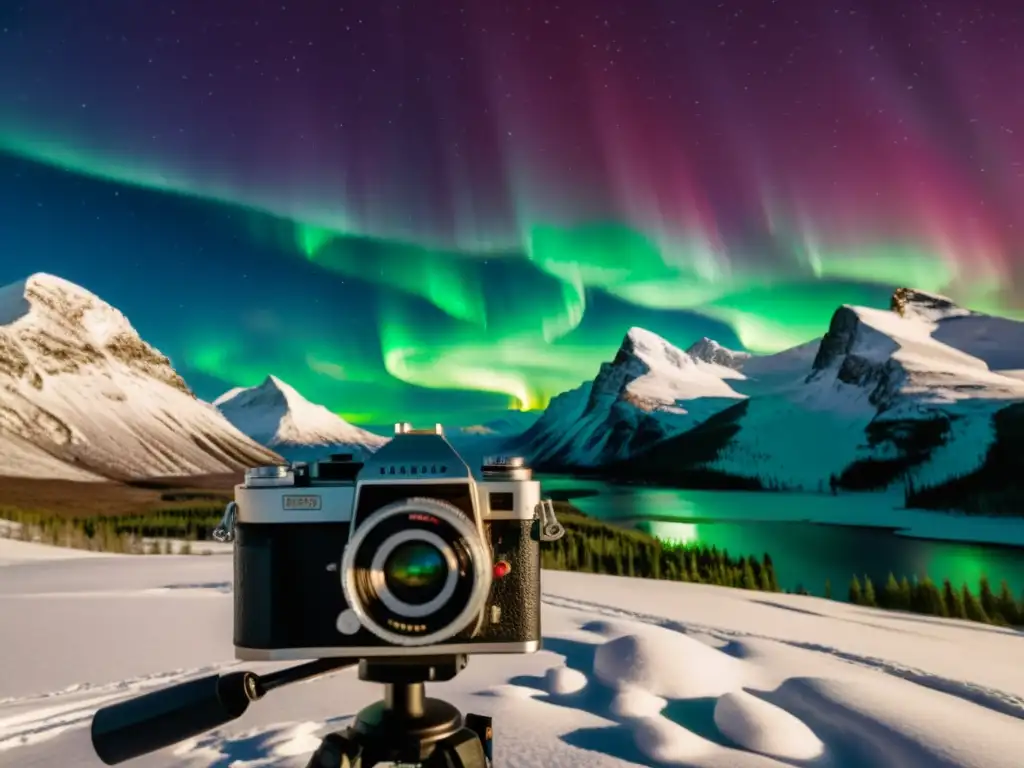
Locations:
column 501, row 569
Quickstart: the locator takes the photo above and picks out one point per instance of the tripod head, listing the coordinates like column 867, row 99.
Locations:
column 404, row 727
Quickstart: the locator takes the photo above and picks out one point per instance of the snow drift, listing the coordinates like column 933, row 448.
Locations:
column 648, row 673
column 83, row 397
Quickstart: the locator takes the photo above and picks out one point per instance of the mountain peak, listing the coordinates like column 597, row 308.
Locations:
column 710, row 351
column 650, row 349
column 910, row 302
column 47, row 280
column 65, row 328
column 272, row 384
column 42, row 297
column 653, row 374
column 651, row 390
column 83, row 394
column 274, row 413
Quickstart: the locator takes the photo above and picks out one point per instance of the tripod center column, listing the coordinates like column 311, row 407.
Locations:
column 404, row 699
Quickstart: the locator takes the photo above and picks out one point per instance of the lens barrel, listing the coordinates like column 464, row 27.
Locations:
column 416, row 572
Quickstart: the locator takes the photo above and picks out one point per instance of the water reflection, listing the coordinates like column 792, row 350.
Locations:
column 807, row 552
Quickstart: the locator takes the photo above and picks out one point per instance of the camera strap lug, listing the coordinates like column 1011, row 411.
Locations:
column 225, row 530
column 550, row 528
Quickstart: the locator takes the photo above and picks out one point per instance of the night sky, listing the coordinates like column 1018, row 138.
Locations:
column 438, row 210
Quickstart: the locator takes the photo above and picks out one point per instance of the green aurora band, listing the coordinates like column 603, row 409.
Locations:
column 510, row 315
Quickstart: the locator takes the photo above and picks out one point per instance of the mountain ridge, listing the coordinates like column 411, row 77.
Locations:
column 276, row 415
column 633, row 401
column 84, row 397
column 884, row 397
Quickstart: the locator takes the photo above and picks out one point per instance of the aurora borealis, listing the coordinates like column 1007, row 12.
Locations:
column 419, row 210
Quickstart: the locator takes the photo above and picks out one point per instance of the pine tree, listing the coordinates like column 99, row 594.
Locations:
column 747, row 580
column 890, row 597
column 870, row 598
column 905, row 594
column 769, row 566
column 755, row 566
column 972, row 606
column 764, row 581
column 929, row 599
column 855, row 595
column 1007, row 605
column 954, row 601
column 692, row 567
column 828, row 589
column 988, row 601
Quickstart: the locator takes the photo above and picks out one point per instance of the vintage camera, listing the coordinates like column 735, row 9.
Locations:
column 406, row 554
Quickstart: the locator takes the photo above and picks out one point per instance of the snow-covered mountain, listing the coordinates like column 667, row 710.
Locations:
column 911, row 394
column 650, row 391
column 83, row 397
column 274, row 414
column 710, row 351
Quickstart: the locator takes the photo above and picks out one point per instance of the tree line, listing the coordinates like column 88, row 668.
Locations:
column 148, row 533
column 589, row 546
column 926, row 597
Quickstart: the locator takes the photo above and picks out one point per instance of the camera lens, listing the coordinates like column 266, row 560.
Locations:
column 415, row 572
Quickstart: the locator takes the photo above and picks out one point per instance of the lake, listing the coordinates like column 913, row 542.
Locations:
column 809, row 536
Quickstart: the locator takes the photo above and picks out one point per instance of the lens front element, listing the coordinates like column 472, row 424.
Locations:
column 416, row 572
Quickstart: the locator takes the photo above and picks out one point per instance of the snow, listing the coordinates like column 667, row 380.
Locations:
column 937, row 371
column 807, row 409
column 632, row 674
column 672, row 376
column 799, row 429
column 82, row 396
column 13, row 552
column 20, row 458
column 651, row 387
column 274, row 414
column 761, row 727
column 710, row 351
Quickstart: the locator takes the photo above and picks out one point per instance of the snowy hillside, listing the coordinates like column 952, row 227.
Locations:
column 889, row 394
column 82, row 397
column 274, row 414
column 651, row 390
column 633, row 673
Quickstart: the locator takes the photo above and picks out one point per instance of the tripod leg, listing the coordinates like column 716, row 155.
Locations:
column 337, row 750
column 482, row 726
column 463, row 749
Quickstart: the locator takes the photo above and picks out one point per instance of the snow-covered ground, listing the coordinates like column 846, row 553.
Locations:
column 665, row 674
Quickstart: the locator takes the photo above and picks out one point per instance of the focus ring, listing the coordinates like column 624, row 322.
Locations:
column 357, row 577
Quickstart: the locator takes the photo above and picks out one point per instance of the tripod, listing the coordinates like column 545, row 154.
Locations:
column 406, row 727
